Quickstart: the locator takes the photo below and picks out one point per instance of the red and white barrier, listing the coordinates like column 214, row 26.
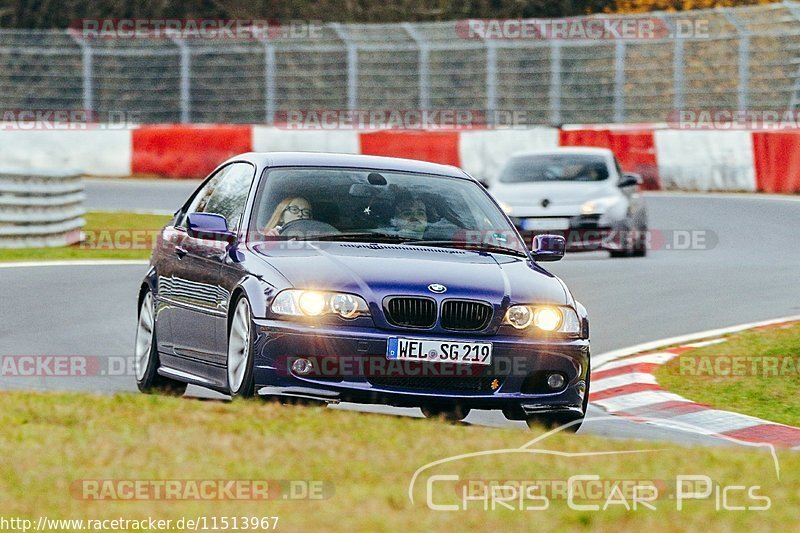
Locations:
column 705, row 160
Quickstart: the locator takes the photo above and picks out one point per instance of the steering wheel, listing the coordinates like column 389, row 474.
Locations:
column 305, row 227
column 550, row 175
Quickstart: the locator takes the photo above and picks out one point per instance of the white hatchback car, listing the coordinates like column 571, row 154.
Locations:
column 579, row 192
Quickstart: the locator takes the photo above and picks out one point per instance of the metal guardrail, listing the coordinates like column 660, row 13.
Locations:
column 40, row 208
column 749, row 58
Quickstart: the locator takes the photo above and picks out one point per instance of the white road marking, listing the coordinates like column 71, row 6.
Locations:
column 76, row 262
column 638, row 399
column 599, row 385
column 604, row 358
column 658, row 358
column 713, row 421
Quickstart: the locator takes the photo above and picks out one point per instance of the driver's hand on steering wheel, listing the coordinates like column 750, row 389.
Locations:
column 272, row 232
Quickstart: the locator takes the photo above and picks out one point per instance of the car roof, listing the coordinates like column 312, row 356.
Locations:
column 323, row 159
column 576, row 150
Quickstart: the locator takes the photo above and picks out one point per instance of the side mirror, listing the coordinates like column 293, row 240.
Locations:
column 210, row 227
column 549, row 247
column 629, row 179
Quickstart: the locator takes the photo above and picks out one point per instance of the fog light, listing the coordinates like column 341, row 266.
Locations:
column 555, row 381
column 302, row 366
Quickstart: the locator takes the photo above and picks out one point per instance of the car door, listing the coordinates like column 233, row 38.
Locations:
column 199, row 300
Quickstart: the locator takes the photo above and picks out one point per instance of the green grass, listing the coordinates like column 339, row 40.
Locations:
column 769, row 390
column 51, row 440
column 108, row 235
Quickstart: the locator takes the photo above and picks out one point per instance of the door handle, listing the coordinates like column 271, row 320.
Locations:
column 180, row 252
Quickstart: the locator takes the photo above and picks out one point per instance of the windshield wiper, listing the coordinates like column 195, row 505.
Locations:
column 358, row 237
column 477, row 246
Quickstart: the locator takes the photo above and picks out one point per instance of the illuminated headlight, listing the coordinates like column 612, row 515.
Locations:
column 507, row 209
column 549, row 318
column 298, row 302
column 599, row 205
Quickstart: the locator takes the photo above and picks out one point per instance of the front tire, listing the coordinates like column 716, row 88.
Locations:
column 455, row 413
column 239, row 364
column 146, row 360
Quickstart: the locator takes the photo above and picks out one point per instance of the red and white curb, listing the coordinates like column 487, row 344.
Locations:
column 624, row 385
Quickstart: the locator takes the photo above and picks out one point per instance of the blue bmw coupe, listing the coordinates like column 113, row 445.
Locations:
column 332, row 277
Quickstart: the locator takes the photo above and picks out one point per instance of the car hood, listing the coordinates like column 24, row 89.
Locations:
column 557, row 194
column 378, row 270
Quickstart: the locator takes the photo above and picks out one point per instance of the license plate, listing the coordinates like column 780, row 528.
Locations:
column 439, row 351
column 545, row 223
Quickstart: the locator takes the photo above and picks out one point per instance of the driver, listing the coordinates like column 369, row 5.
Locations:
column 410, row 217
column 287, row 210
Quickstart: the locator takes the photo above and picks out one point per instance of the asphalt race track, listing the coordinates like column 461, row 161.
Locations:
column 744, row 268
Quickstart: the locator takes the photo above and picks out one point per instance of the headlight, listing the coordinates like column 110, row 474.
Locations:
column 507, row 209
column 599, row 205
column 549, row 318
column 298, row 302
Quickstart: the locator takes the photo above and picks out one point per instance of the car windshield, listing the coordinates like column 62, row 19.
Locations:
column 554, row 167
column 369, row 205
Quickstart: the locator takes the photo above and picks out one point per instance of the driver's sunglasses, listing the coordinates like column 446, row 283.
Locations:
column 304, row 211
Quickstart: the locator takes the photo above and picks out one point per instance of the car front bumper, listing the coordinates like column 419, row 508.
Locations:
column 350, row 364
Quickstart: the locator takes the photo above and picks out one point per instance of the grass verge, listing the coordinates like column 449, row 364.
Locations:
column 51, row 441
column 753, row 372
column 110, row 235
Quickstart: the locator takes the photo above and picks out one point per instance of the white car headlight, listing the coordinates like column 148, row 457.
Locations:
column 309, row 303
column 599, row 205
column 549, row 318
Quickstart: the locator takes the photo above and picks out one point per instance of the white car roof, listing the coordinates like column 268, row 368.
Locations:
column 577, row 150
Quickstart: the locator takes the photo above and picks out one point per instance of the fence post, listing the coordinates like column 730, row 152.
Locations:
column 619, row 81
column 87, row 62
column 269, row 83
column 744, row 59
column 352, row 65
column 555, row 82
column 185, row 87
column 491, row 81
column 678, row 75
column 424, row 60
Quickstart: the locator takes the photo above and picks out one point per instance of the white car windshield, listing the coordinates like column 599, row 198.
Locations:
column 554, row 167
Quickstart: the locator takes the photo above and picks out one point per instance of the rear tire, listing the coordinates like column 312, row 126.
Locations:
column 146, row 361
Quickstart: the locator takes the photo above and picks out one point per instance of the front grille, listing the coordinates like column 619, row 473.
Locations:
column 411, row 312
column 465, row 315
column 426, row 378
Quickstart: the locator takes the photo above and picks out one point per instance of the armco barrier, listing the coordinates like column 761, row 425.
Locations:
column 678, row 159
column 40, row 208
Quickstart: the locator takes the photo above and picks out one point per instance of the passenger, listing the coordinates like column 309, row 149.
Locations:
column 410, row 217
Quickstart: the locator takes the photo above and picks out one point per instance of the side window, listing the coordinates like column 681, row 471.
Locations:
column 226, row 194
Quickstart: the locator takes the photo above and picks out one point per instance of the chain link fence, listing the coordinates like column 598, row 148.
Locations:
column 746, row 58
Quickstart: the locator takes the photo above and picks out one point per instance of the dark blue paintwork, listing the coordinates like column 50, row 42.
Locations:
column 196, row 282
